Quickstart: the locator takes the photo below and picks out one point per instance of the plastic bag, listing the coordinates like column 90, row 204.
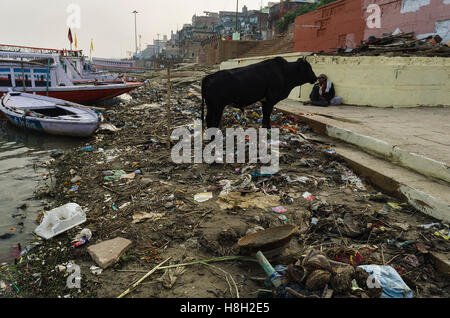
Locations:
column 390, row 281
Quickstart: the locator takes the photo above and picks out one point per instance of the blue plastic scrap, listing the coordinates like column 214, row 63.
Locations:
column 390, row 281
column 87, row 149
column 260, row 174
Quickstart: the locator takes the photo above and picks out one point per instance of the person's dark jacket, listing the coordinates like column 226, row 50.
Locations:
column 315, row 95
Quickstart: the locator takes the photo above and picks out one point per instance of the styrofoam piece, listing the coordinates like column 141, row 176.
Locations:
column 60, row 220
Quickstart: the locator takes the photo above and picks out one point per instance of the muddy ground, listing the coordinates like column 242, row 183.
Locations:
column 346, row 220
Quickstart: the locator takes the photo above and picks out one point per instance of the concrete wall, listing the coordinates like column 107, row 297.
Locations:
column 376, row 81
column 423, row 17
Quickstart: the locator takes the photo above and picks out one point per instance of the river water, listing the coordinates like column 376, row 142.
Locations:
column 22, row 155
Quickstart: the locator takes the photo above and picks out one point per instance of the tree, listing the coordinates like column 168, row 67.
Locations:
column 290, row 17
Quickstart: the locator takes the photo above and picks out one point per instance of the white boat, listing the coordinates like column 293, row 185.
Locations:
column 49, row 115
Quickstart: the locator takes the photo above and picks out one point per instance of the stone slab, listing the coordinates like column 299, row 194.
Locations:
column 108, row 252
column 442, row 263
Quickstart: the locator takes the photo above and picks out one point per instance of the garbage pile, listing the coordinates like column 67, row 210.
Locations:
column 401, row 44
column 316, row 276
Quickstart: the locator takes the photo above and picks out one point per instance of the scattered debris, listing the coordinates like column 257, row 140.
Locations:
column 130, row 188
column 203, row 197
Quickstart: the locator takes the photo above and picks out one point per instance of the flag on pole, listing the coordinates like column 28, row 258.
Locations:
column 70, row 36
column 92, row 45
column 76, row 42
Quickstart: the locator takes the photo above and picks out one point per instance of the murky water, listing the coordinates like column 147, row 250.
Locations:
column 21, row 173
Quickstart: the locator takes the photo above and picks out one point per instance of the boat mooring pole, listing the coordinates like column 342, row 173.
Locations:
column 168, row 107
column 23, row 76
column 48, row 73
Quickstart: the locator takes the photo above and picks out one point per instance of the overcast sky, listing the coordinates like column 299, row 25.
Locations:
column 43, row 23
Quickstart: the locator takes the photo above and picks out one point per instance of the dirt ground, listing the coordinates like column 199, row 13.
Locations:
column 345, row 220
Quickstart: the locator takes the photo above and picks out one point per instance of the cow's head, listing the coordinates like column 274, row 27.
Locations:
column 306, row 72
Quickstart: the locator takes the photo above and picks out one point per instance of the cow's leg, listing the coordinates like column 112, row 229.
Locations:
column 214, row 115
column 267, row 109
column 219, row 122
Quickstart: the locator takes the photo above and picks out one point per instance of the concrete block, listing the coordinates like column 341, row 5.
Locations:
column 108, row 252
column 442, row 263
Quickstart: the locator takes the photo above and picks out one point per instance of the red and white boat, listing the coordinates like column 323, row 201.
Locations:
column 59, row 76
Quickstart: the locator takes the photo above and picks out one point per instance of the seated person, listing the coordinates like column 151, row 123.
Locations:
column 322, row 93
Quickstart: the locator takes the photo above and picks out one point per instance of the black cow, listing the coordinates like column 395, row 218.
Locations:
column 269, row 82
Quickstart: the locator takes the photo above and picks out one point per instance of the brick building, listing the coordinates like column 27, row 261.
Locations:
column 207, row 22
column 337, row 25
column 278, row 10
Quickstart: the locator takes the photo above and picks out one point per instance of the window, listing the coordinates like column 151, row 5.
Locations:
column 40, row 78
column 19, row 74
column 5, row 80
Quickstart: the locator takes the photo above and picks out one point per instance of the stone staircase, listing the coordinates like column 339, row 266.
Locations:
column 281, row 45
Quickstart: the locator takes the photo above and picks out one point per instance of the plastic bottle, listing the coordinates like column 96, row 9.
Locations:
column 270, row 271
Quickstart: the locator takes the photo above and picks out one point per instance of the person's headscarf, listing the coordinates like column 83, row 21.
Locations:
column 325, row 86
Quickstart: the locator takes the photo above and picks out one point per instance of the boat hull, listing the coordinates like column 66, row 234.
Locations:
column 78, row 122
column 60, row 129
column 86, row 94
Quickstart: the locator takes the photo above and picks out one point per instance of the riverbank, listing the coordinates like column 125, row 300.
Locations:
column 153, row 205
column 22, row 169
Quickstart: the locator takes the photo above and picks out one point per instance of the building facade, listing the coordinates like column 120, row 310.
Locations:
column 423, row 17
column 278, row 10
column 345, row 23
column 337, row 25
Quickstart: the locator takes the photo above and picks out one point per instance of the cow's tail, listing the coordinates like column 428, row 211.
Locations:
column 204, row 86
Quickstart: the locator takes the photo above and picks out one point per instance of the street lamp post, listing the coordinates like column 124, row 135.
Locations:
column 237, row 14
column 135, row 30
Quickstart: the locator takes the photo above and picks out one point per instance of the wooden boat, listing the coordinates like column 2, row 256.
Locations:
column 49, row 115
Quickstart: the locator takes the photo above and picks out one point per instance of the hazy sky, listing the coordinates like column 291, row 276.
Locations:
column 43, row 23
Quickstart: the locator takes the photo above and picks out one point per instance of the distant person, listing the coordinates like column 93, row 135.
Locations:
column 322, row 93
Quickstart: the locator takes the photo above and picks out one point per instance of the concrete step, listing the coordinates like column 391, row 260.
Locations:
column 419, row 180
column 427, row 195
column 334, row 124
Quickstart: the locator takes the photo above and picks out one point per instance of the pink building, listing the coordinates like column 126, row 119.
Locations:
column 335, row 25
column 423, row 17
